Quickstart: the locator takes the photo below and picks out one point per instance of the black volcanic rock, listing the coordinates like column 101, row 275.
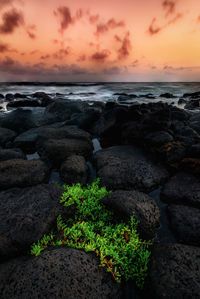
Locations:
column 182, row 188
column 137, row 204
column 167, row 95
column 22, row 173
column 128, row 167
column 174, row 272
column 26, row 214
column 56, row 151
column 185, row 223
column 58, row 273
column 193, row 104
column 14, row 153
column 74, row 170
column 6, row 135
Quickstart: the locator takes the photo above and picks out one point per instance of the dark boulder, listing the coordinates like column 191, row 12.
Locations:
column 14, row 153
column 20, row 96
column 158, row 138
column 192, row 94
column 181, row 101
column 1, row 96
column 58, row 273
column 56, row 151
column 193, row 104
column 183, row 188
column 191, row 165
column 22, row 173
column 9, row 97
column 172, row 153
column 74, row 170
column 137, row 204
column 194, row 151
column 24, row 103
column 26, row 215
column 174, row 272
column 128, row 167
column 6, row 135
column 167, row 95
column 185, row 223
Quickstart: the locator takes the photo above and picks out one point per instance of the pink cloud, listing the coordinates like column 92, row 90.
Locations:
column 12, row 19
column 110, row 24
column 101, row 55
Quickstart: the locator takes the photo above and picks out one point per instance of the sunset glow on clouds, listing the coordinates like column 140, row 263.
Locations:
column 100, row 40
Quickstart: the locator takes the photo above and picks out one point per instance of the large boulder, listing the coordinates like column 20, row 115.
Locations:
column 158, row 138
column 182, row 188
column 74, row 170
column 6, row 135
column 59, row 273
column 22, row 173
column 174, row 272
column 128, row 167
column 137, row 204
column 56, row 151
column 27, row 140
column 25, row 216
column 20, row 120
column 185, row 223
column 14, row 153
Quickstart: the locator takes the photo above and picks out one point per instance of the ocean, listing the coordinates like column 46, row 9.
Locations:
column 103, row 92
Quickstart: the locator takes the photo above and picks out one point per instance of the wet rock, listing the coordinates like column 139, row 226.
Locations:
column 128, row 167
column 6, row 135
column 9, row 97
column 56, row 151
column 14, row 153
column 58, row 273
column 26, row 215
column 1, row 96
column 181, row 101
column 193, row 104
column 195, row 125
column 24, row 103
column 137, row 204
column 192, row 94
column 22, row 173
column 182, row 188
column 185, row 223
column 74, row 170
column 179, row 114
column 19, row 96
column 167, row 95
column 174, row 272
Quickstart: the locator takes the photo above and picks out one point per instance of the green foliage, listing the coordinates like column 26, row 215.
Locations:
column 118, row 246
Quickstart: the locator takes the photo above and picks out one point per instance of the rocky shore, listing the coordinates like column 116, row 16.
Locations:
column 145, row 149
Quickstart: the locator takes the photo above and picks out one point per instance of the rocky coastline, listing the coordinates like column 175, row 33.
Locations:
column 148, row 155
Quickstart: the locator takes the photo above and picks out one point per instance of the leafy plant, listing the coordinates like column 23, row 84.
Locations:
column 118, row 246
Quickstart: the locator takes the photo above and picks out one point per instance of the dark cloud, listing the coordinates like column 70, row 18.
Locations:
column 101, row 55
column 62, row 53
column 125, row 48
column 110, row 24
column 11, row 20
column 65, row 15
column 112, row 70
column 66, row 19
column 169, row 6
column 153, row 29
column 181, row 68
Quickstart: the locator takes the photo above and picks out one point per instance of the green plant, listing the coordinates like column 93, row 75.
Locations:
column 118, row 246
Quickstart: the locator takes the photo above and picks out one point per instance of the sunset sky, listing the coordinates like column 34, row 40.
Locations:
column 100, row 40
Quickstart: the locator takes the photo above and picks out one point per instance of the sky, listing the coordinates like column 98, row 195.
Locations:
column 100, row 40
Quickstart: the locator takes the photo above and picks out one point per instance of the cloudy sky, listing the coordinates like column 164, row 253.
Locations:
column 100, row 40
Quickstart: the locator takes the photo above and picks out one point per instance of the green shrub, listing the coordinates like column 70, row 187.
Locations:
column 118, row 246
